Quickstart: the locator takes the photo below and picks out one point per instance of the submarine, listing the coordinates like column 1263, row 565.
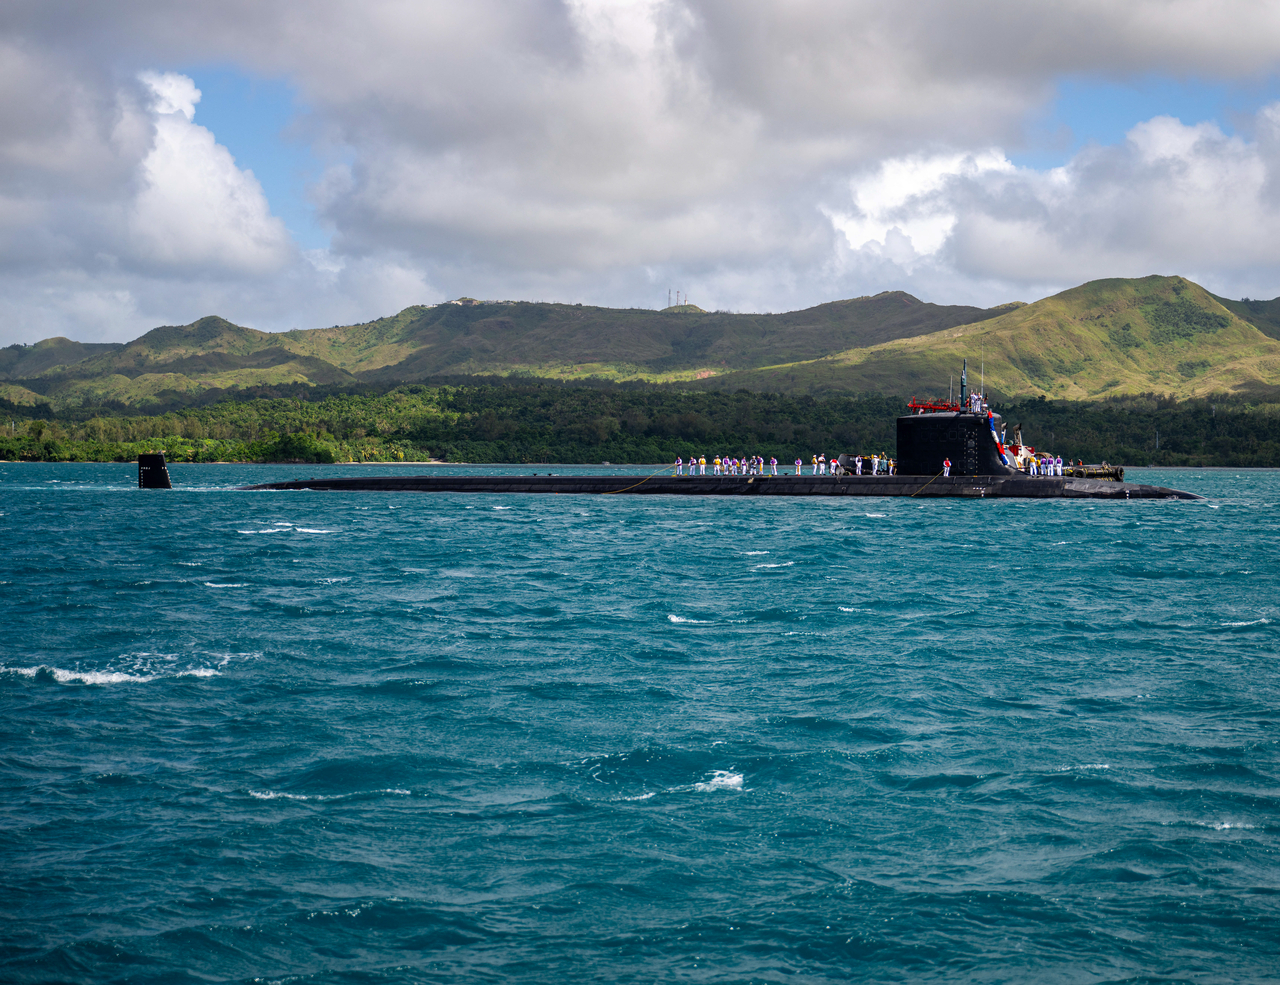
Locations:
column 944, row 450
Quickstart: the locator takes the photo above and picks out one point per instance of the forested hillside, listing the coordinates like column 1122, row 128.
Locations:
column 1107, row 338
column 549, row 341
column 543, row 422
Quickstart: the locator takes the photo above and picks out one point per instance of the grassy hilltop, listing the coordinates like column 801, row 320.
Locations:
column 1103, row 339
column 550, row 341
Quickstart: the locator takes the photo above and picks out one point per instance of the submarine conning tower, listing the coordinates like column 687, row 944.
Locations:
column 152, row 472
column 965, row 433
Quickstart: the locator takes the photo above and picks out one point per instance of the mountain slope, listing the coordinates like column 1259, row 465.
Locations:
column 19, row 362
column 457, row 339
column 1262, row 315
column 561, row 340
column 1104, row 338
column 208, row 353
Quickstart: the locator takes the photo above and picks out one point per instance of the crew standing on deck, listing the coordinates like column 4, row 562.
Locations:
column 773, row 464
column 798, row 466
column 946, row 466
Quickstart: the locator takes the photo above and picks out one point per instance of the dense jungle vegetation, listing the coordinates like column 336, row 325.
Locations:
column 500, row 421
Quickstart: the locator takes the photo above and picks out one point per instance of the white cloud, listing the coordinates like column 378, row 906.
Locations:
column 196, row 210
column 901, row 209
column 604, row 151
column 172, row 93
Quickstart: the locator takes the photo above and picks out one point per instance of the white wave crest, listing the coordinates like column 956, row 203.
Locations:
column 103, row 676
column 1251, row 622
column 720, row 780
column 876, row 516
column 312, row 530
column 784, row 564
column 281, row 795
column 1224, row 825
column 218, row 584
column 684, row 619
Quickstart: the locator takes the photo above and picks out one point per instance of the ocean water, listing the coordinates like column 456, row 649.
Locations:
column 384, row 738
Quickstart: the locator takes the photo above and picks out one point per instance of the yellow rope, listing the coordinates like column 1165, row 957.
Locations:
column 612, row 492
column 922, row 488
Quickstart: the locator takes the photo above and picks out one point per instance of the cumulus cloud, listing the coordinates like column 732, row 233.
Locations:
column 1171, row 197
column 196, row 211
column 757, row 155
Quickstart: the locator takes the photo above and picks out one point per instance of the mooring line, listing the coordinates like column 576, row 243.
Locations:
column 613, row 492
column 922, row 488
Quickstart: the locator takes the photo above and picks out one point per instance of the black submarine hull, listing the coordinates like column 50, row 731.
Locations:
column 1015, row 486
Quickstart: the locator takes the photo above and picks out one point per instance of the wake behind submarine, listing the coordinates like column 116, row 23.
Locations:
column 964, row 439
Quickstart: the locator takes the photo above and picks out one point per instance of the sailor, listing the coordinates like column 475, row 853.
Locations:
column 946, row 466
column 679, row 466
column 799, row 466
column 702, row 465
column 715, row 465
column 1058, row 463
column 773, row 464
column 857, row 465
column 822, row 465
column 875, row 463
column 814, row 460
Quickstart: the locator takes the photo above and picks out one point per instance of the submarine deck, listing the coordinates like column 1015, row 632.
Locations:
column 970, row 487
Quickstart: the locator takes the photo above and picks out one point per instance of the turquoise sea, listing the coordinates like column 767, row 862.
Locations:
column 401, row 738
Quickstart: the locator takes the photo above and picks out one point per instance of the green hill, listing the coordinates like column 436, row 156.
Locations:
column 1102, row 339
column 210, row 353
column 19, row 362
column 561, row 341
column 1262, row 315
column 468, row 338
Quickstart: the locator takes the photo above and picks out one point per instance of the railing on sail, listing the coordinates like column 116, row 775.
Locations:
column 929, row 406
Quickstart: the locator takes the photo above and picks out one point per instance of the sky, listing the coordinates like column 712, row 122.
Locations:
column 291, row 165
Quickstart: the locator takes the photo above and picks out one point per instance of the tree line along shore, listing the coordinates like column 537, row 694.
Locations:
column 580, row 423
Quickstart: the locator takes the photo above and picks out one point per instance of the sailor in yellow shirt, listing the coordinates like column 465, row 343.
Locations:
column 702, row 465
column 715, row 466
column 815, row 464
